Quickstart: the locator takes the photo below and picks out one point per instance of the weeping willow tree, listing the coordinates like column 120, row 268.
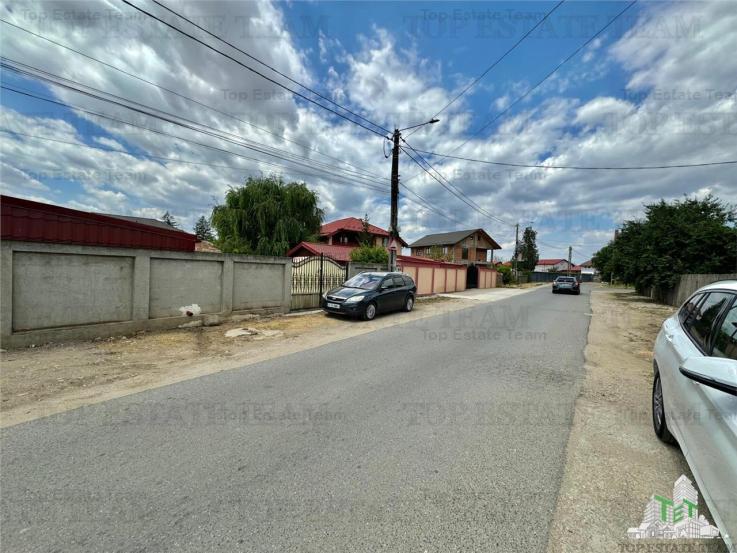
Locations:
column 266, row 217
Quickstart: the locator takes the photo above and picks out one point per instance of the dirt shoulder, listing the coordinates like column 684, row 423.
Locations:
column 614, row 461
column 41, row 381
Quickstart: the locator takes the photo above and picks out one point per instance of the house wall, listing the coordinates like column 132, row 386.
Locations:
column 350, row 238
column 55, row 292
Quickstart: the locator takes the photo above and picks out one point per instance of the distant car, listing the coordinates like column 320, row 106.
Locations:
column 694, row 399
column 367, row 294
column 566, row 284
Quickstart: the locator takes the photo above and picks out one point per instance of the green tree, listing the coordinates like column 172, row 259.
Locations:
column 527, row 250
column 203, row 230
column 169, row 219
column 506, row 273
column 365, row 238
column 683, row 236
column 370, row 254
column 266, row 217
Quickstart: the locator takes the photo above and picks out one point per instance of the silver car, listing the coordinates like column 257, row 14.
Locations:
column 694, row 399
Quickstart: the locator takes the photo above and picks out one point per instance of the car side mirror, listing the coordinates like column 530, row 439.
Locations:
column 715, row 372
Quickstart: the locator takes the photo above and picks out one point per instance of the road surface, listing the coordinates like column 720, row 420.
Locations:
column 443, row 434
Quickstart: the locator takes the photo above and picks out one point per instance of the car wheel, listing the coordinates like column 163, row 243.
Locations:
column 369, row 312
column 659, row 424
column 555, row 291
column 409, row 303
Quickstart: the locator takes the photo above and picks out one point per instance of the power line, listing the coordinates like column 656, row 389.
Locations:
column 254, row 58
column 551, row 73
column 255, row 146
column 162, row 133
column 580, row 167
column 187, row 98
column 251, row 69
column 461, row 197
column 486, row 71
column 541, row 81
column 456, row 191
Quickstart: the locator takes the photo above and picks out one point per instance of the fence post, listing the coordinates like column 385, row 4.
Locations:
column 322, row 260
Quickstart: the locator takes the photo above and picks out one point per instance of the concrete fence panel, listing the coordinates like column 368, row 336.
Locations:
column 176, row 283
column 259, row 284
column 438, row 281
column 52, row 290
column 354, row 268
column 58, row 292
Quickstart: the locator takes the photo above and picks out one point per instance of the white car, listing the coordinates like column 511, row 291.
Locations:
column 695, row 395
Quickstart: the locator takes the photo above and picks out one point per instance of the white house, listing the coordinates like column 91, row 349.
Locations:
column 547, row 265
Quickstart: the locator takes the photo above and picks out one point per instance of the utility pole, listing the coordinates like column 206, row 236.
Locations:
column 516, row 252
column 393, row 223
column 570, row 250
column 393, row 226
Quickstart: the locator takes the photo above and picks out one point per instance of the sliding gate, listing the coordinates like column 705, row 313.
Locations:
column 313, row 276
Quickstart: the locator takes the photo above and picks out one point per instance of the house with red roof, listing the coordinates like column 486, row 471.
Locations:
column 339, row 238
column 552, row 265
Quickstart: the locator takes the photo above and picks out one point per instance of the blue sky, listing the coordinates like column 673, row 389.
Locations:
column 630, row 98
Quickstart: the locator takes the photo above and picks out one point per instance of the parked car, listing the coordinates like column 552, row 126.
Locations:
column 367, row 294
column 694, row 399
column 566, row 284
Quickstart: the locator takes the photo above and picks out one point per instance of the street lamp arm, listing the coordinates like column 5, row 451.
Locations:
column 430, row 122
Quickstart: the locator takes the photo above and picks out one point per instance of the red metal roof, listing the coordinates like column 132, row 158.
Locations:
column 338, row 253
column 550, row 261
column 349, row 223
column 30, row 221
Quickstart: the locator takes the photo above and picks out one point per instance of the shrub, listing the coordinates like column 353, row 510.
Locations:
column 370, row 254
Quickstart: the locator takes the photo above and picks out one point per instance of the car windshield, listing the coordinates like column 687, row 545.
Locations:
column 365, row 281
column 566, row 279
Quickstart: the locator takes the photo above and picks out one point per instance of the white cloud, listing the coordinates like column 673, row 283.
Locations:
column 660, row 121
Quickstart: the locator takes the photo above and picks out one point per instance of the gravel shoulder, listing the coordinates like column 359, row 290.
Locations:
column 614, row 461
column 41, row 381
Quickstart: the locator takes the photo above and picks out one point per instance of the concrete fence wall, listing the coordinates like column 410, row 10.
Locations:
column 54, row 292
column 355, row 268
column 487, row 278
column 435, row 278
column 687, row 285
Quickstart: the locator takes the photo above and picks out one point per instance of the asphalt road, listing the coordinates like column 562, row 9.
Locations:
column 444, row 434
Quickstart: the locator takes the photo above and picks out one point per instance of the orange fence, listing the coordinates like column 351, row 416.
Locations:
column 433, row 277
column 487, row 277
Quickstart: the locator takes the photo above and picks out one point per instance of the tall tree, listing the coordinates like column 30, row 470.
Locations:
column 528, row 253
column 203, row 230
column 169, row 219
column 683, row 236
column 266, row 217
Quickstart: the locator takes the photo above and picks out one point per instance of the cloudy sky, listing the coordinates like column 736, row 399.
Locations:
column 656, row 88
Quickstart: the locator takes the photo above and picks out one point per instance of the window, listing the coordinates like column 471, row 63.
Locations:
column 689, row 307
column 464, row 253
column 725, row 341
column 408, row 281
column 398, row 281
column 699, row 324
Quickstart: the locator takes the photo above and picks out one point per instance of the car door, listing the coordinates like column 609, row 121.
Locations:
column 400, row 292
column 385, row 298
column 677, row 347
column 711, row 436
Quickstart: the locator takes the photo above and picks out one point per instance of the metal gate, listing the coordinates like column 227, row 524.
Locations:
column 313, row 276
